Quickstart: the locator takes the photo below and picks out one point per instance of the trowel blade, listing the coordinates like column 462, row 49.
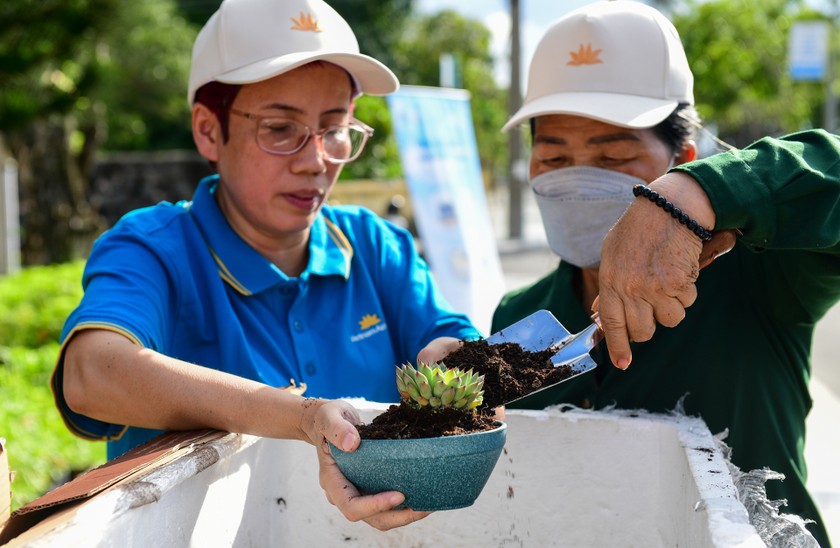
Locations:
column 541, row 331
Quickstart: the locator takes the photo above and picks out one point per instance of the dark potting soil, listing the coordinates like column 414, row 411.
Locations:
column 509, row 372
column 402, row 421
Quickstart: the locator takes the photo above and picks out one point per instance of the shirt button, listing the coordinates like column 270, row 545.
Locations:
column 310, row 368
column 298, row 326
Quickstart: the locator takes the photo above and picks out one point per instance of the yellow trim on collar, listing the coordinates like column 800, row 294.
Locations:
column 343, row 244
column 228, row 277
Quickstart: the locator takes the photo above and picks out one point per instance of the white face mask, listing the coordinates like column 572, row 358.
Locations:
column 578, row 206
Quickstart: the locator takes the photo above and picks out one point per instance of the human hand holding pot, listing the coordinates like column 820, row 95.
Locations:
column 335, row 421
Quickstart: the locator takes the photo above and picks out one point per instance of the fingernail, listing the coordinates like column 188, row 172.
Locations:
column 396, row 499
column 623, row 363
column 348, row 441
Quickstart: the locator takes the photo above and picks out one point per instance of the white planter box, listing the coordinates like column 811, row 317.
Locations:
column 577, row 478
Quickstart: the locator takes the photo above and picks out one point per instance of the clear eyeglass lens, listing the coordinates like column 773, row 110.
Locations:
column 340, row 143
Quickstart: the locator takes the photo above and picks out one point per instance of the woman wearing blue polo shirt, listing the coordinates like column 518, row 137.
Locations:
column 195, row 314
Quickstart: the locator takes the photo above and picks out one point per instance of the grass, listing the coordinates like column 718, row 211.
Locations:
column 42, row 453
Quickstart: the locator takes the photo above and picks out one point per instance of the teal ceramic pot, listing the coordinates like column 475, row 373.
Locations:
column 442, row 473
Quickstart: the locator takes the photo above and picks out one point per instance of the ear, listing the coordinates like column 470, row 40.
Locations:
column 688, row 153
column 207, row 133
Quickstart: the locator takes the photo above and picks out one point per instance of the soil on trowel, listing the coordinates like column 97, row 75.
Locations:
column 509, row 371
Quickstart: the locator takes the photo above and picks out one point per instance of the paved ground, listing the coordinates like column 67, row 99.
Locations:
column 528, row 259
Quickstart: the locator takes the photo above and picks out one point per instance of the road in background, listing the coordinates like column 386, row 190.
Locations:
column 527, row 260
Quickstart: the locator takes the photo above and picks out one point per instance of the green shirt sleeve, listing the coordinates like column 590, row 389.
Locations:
column 782, row 193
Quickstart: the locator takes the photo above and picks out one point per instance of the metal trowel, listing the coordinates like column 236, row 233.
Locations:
column 541, row 331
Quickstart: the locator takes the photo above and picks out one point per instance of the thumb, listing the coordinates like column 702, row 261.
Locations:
column 337, row 423
column 722, row 242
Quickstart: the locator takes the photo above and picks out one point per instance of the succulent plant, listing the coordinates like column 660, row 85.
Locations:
column 437, row 386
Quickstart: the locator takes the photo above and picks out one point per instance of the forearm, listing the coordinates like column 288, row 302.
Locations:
column 109, row 378
column 781, row 193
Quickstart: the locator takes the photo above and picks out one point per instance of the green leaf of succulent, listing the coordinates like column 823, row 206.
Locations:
column 425, row 389
column 400, row 382
column 448, row 396
column 436, row 377
column 437, row 386
column 426, row 371
column 449, row 376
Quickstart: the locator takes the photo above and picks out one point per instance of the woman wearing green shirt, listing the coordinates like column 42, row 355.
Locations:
column 734, row 346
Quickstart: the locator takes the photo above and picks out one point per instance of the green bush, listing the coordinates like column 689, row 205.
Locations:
column 35, row 302
column 42, row 452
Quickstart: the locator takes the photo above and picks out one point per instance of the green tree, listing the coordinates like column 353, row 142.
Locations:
column 72, row 71
column 417, row 59
column 197, row 12
column 49, row 63
column 737, row 50
column 378, row 25
column 143, row 87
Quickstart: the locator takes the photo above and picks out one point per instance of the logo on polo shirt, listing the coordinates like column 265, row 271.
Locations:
column 369, row 320
column 370, row 324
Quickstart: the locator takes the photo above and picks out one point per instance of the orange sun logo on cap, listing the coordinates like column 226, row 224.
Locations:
column 584, row 56
column 305, row 22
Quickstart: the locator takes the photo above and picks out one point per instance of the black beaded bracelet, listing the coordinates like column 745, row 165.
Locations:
column 676, row 213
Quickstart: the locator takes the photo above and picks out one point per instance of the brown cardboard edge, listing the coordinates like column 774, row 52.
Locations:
column 141, row 460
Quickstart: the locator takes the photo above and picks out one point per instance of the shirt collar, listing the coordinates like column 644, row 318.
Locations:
column 243, row 268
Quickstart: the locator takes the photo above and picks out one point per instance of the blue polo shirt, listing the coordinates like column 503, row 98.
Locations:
column 177, row 279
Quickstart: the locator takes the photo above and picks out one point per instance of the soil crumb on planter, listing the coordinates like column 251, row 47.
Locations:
column 509, row 372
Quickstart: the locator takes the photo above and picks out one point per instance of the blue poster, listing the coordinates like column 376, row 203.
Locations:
column 437, row 147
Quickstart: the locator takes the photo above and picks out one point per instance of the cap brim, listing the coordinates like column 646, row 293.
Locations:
column 372, row 77
column 630, row 111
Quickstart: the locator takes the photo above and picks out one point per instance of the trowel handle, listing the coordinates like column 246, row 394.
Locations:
column 594, row 332
column 578, row 345
column 596, row 319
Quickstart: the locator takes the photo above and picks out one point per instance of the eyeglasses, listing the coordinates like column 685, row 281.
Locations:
column 282, row 136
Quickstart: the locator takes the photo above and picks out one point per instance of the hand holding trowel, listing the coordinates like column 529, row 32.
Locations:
column 541, row 330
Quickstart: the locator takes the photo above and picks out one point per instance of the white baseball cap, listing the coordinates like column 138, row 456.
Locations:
column 249, row 41
column 617, row 61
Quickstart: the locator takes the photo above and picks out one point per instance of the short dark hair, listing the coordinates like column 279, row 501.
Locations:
column 679, row 127
column 219, row 98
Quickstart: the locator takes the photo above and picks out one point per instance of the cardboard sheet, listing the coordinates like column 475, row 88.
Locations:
column 139, row 461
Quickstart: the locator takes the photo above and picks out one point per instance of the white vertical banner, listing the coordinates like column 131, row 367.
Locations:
column 436, row 140
column 808, row 50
